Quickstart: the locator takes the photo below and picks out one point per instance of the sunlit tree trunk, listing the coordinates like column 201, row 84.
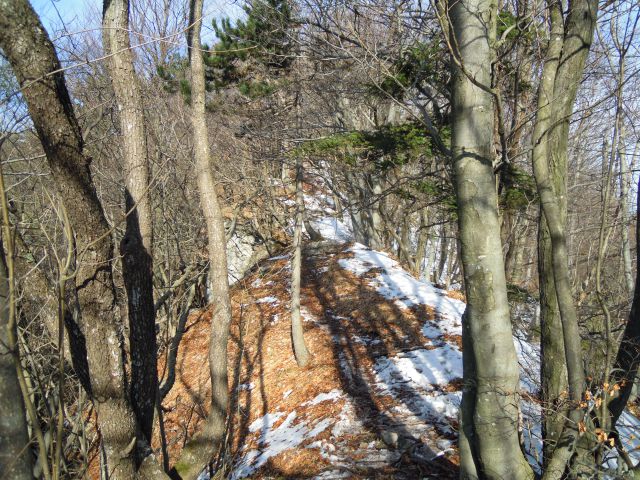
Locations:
column 297, row 334
column 35, row 64
column 202, row 448
column 136, row 245
column 563, row 68
column 489, row 443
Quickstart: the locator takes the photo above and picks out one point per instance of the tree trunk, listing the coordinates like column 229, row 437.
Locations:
column 562, row 71
column 299, row 346
column 625, row 180
column 35, row 64
column 16, row 461
column 624, row 372
column 201, row 449
column 422, row 244
column 489, row 446
column 136, row 245
column 553, row 372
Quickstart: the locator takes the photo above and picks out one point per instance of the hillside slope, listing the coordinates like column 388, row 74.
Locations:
column 380, row 398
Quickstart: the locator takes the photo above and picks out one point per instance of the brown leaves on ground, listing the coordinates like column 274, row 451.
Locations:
column 347, row 326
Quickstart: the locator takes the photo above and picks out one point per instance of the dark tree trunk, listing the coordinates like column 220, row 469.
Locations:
column 35, row 64
column 16, row 461
column 136, row 245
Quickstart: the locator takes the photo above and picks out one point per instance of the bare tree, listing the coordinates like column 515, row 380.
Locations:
column 489, row 443
column 35, row 64
column 563, row 68
column 136, row 245
column 297, row 333
column 16, row 460
column 200, row 450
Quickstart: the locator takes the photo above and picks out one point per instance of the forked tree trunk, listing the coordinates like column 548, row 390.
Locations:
column 489, row 442
column 136, row 245
column 563, row 68
column 297, row 334
column 201, row 449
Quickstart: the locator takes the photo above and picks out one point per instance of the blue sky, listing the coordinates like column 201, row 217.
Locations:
column 73, row 13
column 70, row 11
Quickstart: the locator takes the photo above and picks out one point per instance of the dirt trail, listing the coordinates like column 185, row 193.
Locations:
column 349, row 414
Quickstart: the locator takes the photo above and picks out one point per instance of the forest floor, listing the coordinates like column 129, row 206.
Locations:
column 380, row 397
column 378, row 400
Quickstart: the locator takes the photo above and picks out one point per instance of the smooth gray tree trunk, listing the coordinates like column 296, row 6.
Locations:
column 489, row 443
column 563, row 68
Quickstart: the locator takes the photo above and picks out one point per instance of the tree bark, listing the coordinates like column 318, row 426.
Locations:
column 35, row 64
column 625, row 367
column 489, row 446
column 201, row 449
column 297, row 333
column 16, row 460
column 563, row 68
column 136, row 245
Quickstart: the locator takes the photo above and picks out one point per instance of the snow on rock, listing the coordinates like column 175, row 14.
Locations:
column 289, row 434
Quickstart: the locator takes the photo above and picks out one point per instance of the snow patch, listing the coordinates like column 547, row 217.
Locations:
column 334, row 395
column 422, row 368
column 397, row 285
column 274, row 441
column 269, row 299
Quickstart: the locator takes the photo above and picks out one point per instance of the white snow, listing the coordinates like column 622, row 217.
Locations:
column 334, row 395
column 332, row 229
column 279, row 257
column 269, row 299
column 246, row 386
column 289, row 434
column 395, row 284
column 415, row 378
column 422, row 368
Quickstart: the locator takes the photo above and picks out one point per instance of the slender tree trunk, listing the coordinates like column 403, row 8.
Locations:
column 553, row 367
column 35, row 64
column 562, row 71
column 136, row 245
column 444, row 251
column 421, row 247
column 16, row 460
column 201, row 449
column 625, row 181
column 489, row 445
column 299, row 346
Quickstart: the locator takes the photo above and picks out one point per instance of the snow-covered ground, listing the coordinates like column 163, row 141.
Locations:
column 422, row 371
